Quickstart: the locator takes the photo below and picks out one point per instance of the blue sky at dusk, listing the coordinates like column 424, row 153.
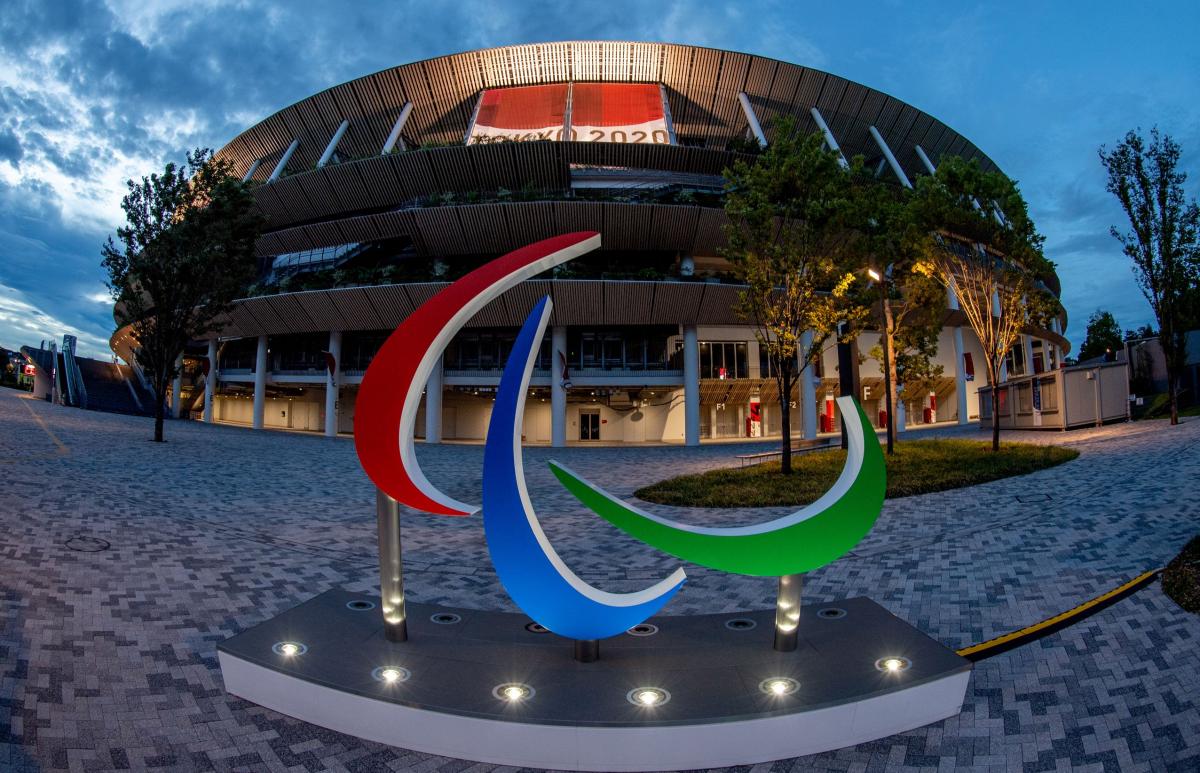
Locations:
column 92, row 94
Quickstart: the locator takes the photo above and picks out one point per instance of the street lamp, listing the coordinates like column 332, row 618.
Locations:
column 882, row 279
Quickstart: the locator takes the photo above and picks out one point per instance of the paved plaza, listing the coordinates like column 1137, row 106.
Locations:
column 124, row 562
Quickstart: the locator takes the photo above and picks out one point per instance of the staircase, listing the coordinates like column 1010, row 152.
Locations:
column 113, row 388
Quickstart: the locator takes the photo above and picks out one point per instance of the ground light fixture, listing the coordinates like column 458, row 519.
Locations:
column 513, row 692
column 647, row 697
column 391, row 674
column 778, row 686
column 289, row 649
column 893, row 664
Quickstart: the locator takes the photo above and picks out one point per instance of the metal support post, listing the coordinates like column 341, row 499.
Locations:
column 587, row 650
column 391, row 568
column 787, row 612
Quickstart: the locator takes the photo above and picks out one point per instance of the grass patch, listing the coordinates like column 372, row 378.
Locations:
column 1157, row 406
column 1181, row 578
column 917, row 467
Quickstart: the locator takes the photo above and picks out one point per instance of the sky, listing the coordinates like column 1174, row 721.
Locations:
column 95, row 93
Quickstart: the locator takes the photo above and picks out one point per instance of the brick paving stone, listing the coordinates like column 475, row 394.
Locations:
column 108, row 658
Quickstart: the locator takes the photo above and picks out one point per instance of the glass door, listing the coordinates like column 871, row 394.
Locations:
column 589, row 425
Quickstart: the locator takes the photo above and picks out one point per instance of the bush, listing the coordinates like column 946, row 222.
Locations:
column 1181, row 578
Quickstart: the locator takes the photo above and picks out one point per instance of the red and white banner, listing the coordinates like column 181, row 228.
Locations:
column 600, row 112
column 618, row 112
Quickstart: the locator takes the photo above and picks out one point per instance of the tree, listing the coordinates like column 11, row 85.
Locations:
column 907, row 306
column 787, row 242
column 1162, row 240
column 1145, row 331
column 1103, row 335
column 981, row 244
column 186, row 251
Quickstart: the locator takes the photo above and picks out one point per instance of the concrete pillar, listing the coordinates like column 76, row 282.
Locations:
column 177, row 389
column 260, row 382
column 558, row 389
column 1027, row 347
column 712, row 420
column 901, row 414
column 433, row 404
column 808, row 392
column 210, row 381
column 691, row 386
column 960, row 376
column 332, row 380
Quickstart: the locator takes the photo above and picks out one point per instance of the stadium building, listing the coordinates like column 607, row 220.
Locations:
column 379, row 191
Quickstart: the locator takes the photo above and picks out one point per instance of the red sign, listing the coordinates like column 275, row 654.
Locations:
column 30, row 370
column 599, row 112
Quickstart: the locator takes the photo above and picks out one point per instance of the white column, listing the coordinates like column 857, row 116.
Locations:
column 397, row 128
column 210, row 381
column 433, row 404
column 260, row 382
column 691, row 386
column 901, row 413
column 332, row 380
column 1027, row 346
column 921, row 154
column 808, row 392
column 712, row 421
column 333, row 143
column 177, row 389
column 752, row 119
column 891, row 158
column 287, row 156
column 253, row 168
column 558, row 390
column 830, row 140
column 960, row 376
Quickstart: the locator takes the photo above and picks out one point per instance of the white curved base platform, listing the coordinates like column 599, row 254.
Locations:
column 598, row 748
column 579, row 717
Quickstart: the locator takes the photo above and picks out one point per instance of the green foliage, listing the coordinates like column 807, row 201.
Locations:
column 1163, row 241
column 1145, row 331
column 185, row 252
column 747, row 145
column 1103, row 334
column 977, row 239
column 1181, row 578
column 907, row 306
column 917, row 467
column 787, row 242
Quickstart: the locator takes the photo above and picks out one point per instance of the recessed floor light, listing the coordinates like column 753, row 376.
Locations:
column 893, row 665
column 779, row 685
column 513, row 692
column 391, row 674
column 648, row 697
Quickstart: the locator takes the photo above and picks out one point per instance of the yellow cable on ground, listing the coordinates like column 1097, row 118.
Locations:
column 1036, row 631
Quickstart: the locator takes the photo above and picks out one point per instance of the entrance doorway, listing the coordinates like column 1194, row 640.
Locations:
column 589, row 425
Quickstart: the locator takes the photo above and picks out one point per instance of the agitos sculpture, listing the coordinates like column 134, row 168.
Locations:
column 707, row 689
column 525, row 561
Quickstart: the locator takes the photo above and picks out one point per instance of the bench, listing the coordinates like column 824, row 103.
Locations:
column 762, row 456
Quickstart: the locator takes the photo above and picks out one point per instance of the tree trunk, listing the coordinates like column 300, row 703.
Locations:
column 889, row 352
column 785, row 416
column 995, row 377
column 160, row 399
column 1173, row 395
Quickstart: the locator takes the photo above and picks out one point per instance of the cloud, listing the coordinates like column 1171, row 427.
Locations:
column 95, row 93
column 24, row 324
